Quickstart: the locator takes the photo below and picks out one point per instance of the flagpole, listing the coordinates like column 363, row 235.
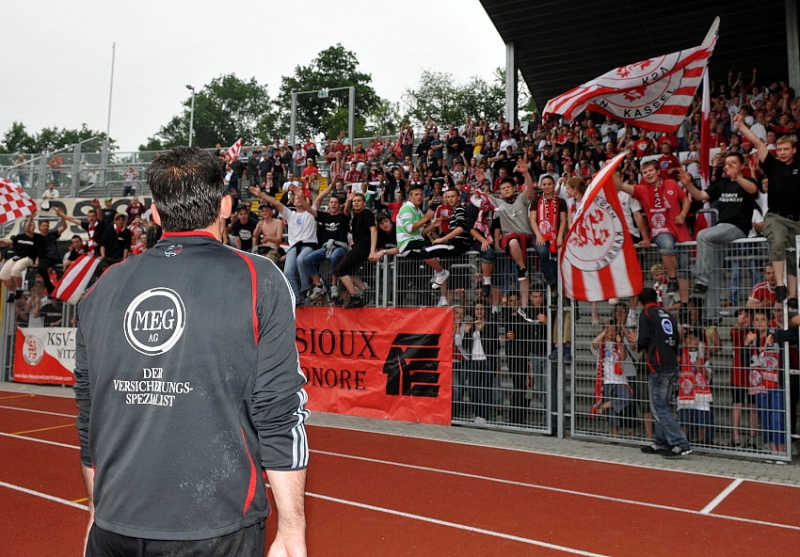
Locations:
column 111, row 89
column 705, row 134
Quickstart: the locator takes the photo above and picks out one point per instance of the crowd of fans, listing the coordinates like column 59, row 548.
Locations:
column 508, row 192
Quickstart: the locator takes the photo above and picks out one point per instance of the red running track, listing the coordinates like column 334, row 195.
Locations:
column 375, row 494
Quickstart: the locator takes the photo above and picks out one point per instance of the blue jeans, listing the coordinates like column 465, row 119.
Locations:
column 667, row 431
column 539, row 367
column 292, row 266
column 548, row 266
column 709, row 260
column 744, row 259
column 313, row 260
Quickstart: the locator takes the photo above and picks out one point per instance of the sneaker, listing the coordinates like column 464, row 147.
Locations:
column 792, row 303
column 554, row 354
column 735, row 444
column 780, row 294
column 700, row 288
column 613, row 301
column 672, row 285
column 442, row 303
column 567, row 355
column 439, row 279
column 355, row 302
column 522, row 274
column 486, row 291
column 521, row 313
column 316, row 292
column 652, row 448
column 334, row 291
column 480, row 421
column 677, row 452
column 780, row 463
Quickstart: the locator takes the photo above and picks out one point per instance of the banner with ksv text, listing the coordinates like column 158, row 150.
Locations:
column 45, row 355
column 391, row 363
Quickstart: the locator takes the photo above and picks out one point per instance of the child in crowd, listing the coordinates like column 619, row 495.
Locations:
column 694, row 388
column 766, row 371
column 613, row 394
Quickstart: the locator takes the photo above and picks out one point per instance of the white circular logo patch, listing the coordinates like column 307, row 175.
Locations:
column 597, row 238
column 154, row 321
column 32, row 350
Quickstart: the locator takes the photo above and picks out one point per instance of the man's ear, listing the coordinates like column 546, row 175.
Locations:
column 226, row 207
column 156, row 216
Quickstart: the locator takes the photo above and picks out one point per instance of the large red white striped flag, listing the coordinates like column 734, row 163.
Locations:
column 598, row 260
column 75, row 280
column 233, row 152
column 14, row 202
column 653, row 94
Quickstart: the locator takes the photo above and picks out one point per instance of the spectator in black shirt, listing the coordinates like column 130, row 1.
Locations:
column 47, row 250
column 332, row 229
column 116, row 244
column 242, row 229
column 365, row 238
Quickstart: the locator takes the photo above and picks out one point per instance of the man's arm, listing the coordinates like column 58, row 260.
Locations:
column 266, row 197
column 522, row 168
column 686, row 180
column 65, row 217
column 289, row 488
column 761, row 147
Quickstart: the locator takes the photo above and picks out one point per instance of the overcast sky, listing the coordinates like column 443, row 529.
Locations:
column 56, row 56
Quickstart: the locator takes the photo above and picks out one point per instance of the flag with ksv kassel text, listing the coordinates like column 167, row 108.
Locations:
column 14, row 202
column 653, row 94
column 598, row 260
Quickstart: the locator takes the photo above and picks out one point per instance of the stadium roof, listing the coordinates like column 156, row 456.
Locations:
column 559, row 45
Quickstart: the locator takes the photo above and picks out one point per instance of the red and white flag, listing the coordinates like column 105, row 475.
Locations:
column 14, row 202
column 653, row 94
column 598, row 260
column 233, row 152
column 75, row 280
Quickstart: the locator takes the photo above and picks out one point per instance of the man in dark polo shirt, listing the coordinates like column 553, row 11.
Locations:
column 735, row 197
column 116, row 243
column 782, row 222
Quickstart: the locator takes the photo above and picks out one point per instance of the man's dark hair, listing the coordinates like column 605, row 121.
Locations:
column 737, row 155
column 187, row 185
column 648, row 296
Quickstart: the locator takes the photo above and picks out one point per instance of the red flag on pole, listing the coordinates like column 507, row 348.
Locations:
column 75, row 280
column 14, row 202
column 233, row 152
column 653, row 94
column 598, row 260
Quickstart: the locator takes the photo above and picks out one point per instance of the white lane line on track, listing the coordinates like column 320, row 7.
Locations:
column 35, row 440
column 558, row 490
column 44, row 496
column 37, row 411
column 457, row 526
column 721, row 497
column 703, row 512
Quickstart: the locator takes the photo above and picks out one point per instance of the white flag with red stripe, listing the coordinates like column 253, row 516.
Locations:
column 14, row 202
column 75, row 280
column 233, row 152
column 653, row 94
column 598, row 260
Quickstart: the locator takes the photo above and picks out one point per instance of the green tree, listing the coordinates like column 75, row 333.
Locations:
column 224, row 110
column 18, row 140
column 448, row 102
column 333, row 67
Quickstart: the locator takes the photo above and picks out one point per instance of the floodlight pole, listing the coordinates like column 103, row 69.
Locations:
column 191, row 116
column 323, row 94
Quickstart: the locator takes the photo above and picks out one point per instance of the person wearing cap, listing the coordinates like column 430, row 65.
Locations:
column 108, row 211
column 269, row 234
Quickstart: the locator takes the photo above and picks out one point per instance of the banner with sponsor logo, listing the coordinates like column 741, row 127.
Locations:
column 45, row 355
column 391, row 363
column 74, row 207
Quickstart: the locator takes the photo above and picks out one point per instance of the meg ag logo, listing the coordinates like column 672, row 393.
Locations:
column 154, row 321
column 412, row 364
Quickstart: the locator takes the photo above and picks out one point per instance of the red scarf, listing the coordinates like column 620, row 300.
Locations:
column 547, row 216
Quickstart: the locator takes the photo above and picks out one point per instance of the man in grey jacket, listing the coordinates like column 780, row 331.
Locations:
column 185, row 400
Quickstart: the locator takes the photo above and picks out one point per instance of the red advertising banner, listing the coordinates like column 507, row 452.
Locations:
column 378, row 363
column 45, row 355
